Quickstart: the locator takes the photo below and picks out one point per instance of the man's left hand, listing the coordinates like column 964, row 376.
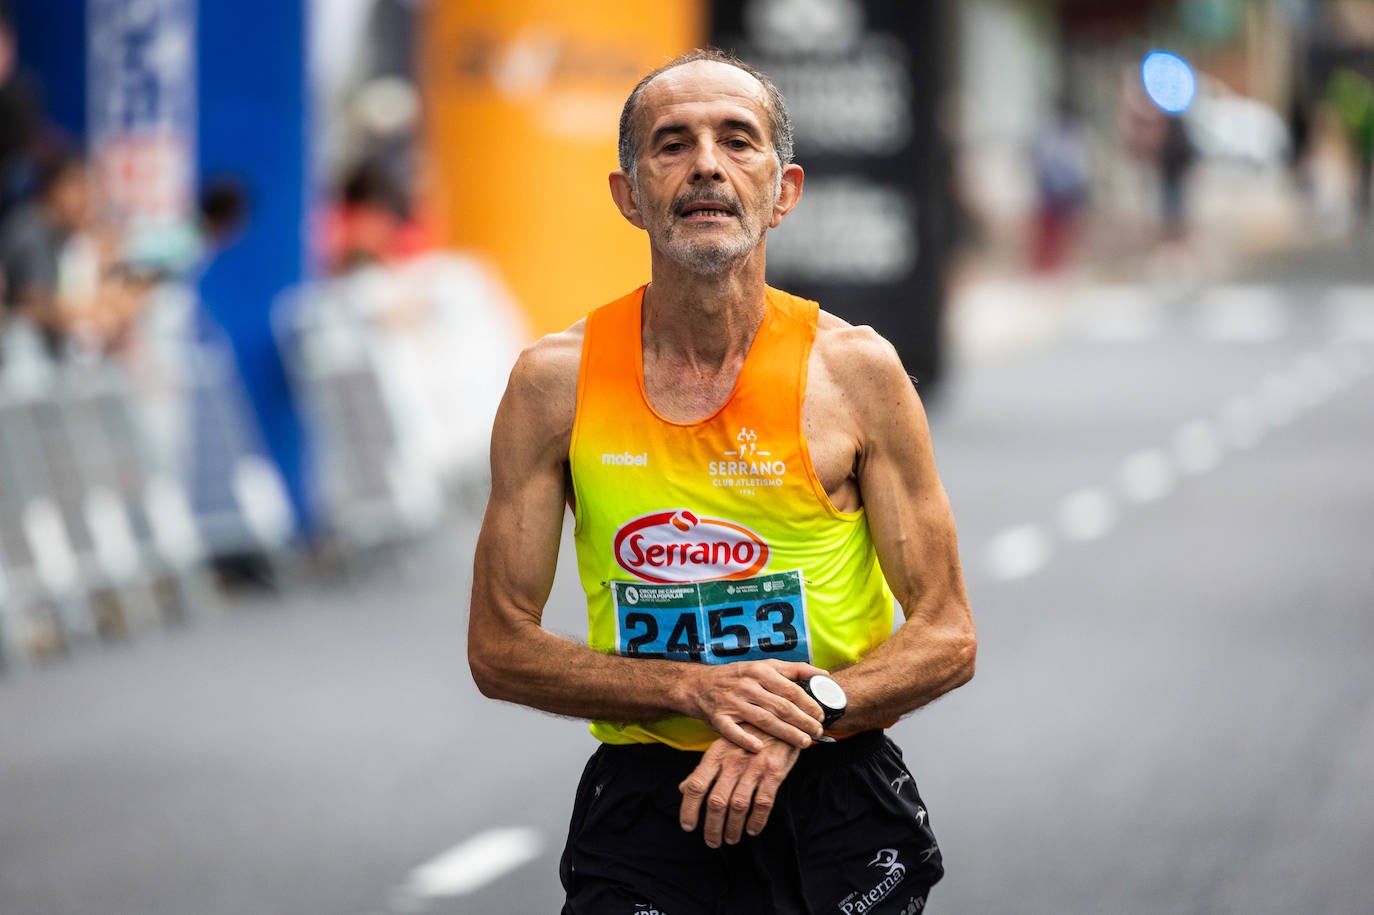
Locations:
column 738, row 788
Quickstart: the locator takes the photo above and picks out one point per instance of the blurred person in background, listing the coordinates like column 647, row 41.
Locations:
column 1161, row 142
column 1352, row 96
column 223, row 211
column 1059, row 158
column 369, row 222
column 714, row 789
column 1174, row 162
column 21, row 122
column 61, row 268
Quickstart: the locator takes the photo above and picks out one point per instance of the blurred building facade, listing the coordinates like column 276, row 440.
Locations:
column 1271, row 161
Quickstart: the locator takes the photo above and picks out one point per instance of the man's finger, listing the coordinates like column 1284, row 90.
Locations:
column 731, row 731
column 799, row 670
column 764, row 798
column 741, row 801
column 694, row 788
column 718, row 805
column 793, row 704
column 774, row 726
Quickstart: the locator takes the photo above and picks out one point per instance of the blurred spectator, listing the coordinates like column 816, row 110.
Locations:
column 1175, row 161
column 1059, row 156
column 370, row 223
column 223, row 211
column 1352, row 96
column 60, row 267
column 21, row 119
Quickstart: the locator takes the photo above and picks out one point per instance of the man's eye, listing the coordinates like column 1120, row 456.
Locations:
column 737, row 144
column 674, row 147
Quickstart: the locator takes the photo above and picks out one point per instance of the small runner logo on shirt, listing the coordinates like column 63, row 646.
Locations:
column 747, row 468
column 677, row 546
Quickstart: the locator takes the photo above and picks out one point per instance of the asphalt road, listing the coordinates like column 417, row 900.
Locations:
column 1166, row 513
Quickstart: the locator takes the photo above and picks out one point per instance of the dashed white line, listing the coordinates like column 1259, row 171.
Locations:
column 468, row 867
column 1146, row 476
column 1087, row 514
column 1346, row 373
column 1355, row 362
column 1018, row 552
column 1281, row 401
column 1197, row 447
column 1242, row 314
column 1119, row 314
column 1351, row 310
column 1242, row 421
column 1318, row 376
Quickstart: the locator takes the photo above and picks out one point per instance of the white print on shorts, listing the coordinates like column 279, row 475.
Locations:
column 857, row 903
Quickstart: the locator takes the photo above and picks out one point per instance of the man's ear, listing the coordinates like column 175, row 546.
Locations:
column 790, row 194
column 623, row 193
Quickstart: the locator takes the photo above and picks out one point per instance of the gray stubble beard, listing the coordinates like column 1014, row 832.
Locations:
column 714, row 259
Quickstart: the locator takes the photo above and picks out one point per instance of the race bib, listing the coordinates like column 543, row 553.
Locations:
column 713, row 622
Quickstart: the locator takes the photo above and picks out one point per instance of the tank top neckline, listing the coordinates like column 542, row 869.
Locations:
column 750, row 357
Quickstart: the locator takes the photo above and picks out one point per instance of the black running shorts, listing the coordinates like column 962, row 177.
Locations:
column 848, row 835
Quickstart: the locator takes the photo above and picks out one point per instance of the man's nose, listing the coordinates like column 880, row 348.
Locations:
column 706, row 165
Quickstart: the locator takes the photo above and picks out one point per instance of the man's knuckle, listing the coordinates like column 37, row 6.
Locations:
column 717, row 804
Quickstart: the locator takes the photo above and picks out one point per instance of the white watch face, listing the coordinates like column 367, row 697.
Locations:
column 828, row 693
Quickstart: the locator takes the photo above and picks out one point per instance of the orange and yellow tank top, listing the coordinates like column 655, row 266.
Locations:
column 713, row 541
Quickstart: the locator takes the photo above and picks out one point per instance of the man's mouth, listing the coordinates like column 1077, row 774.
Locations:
column 706, row 209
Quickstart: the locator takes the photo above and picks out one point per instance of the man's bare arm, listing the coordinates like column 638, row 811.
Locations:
column 515, row 659
column 869, row 394
column 913, row 529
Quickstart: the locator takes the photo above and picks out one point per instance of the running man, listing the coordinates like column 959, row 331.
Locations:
column 752, row 480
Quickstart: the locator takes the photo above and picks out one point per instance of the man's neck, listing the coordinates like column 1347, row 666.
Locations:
column 707, row 321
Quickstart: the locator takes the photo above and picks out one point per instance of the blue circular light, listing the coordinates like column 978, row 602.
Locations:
column 1169, row 81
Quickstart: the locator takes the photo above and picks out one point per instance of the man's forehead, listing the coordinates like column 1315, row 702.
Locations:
column 703, row 81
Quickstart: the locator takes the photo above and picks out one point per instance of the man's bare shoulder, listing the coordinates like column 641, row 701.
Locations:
column 544, row 379
column 858, row 359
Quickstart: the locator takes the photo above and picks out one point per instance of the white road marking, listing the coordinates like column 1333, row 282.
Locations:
column 1018, row 552
column 1248, row 313
column 1242, row 314
column 1319, row 377
column 1087, row 514
column 1120, row 314
column 469, row 866
column 1197, row 447
column 1346, row 373
column 1280, row 399
column 1355, row 362
column 1146, row 476
column 1352, row 312
column 1242, row 421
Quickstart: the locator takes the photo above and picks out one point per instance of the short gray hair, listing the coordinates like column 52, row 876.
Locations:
column 779, row 121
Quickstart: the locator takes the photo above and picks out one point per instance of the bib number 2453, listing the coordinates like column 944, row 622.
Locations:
column 714, row 622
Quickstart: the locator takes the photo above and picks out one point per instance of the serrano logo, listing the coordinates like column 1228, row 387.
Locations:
column 675, row 546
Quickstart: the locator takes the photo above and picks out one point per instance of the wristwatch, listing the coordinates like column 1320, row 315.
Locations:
column 829, row 695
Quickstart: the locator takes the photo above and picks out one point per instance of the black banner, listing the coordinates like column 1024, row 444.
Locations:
column 871, row 238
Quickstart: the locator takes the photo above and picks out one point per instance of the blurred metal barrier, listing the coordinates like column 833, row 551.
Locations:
column 125, row 486
column 105, row 533
column 374, row 489
column 94, row 542
column 402, row 369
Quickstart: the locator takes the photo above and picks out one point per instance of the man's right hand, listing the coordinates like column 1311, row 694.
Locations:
column 764, row 694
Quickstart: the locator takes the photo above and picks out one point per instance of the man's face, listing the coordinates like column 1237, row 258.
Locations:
column 707, row 178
